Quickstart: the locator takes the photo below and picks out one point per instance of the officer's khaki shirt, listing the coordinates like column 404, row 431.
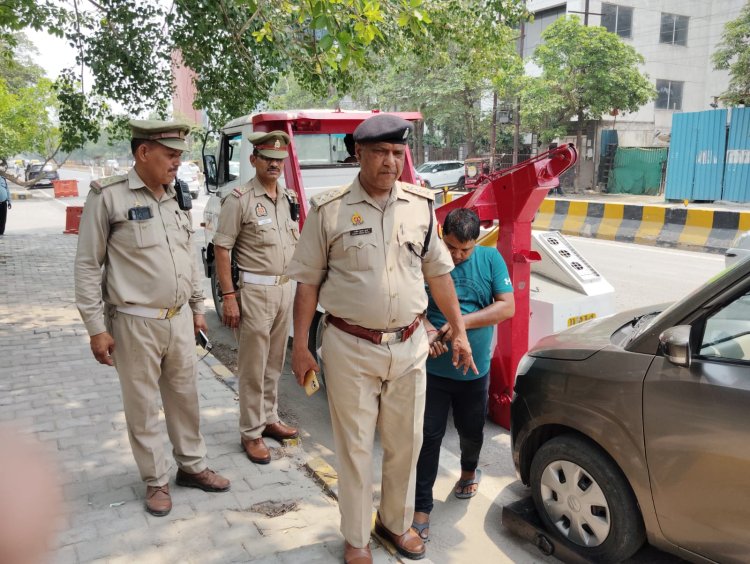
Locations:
column 148, row 262
column 359, row 255
column 262, row 234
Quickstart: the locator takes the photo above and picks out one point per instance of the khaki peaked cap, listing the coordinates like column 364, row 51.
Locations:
column 171, row 134
column 272, row 144
column 383, row 128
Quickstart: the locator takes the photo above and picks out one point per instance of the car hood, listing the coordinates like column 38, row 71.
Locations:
column 582, row 341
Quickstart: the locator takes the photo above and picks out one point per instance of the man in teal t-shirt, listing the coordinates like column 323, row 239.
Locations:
column 485, row 294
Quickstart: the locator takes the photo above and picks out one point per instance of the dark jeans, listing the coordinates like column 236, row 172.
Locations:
column 469, row 402
column 3, row 216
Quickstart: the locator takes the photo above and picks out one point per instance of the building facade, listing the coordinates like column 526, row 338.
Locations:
column 677, row 39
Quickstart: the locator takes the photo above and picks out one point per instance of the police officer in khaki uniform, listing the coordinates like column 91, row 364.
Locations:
column 258, row 222
column 365, row 253
column 138, row 292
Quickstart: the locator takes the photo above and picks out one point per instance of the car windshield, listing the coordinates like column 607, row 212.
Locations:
column 642, row 323
column 426, row 167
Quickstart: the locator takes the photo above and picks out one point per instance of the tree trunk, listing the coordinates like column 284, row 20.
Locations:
column 493, row 132
column 419, row 143
column 579, row 148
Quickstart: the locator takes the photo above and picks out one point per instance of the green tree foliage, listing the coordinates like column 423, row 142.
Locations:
column 469, row 52
column 237, row 48
column 17, row 67
column 733, row 54
column 26, row 98
column 586, row 71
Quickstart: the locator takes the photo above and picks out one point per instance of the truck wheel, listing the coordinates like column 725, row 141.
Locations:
column 461, row 182
column 315, row 340
column 583, row 498
column 216, row 294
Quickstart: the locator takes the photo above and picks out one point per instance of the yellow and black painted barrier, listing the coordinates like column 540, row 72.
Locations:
column 660, row 225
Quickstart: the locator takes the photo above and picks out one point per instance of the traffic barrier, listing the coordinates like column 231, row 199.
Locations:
column 679, row 227
column 72, row 219
column 65, row 188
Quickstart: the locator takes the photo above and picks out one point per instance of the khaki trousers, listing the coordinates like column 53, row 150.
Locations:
column 375, row 386
column 152, row 357
column 264, row 331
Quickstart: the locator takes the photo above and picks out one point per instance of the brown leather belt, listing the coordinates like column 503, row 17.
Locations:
column 377, row 337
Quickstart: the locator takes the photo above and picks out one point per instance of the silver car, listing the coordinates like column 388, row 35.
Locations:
column 636, row 427
column 437, row 174
column 189, row 173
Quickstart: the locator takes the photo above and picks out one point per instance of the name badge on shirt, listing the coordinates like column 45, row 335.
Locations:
column 265, row 221
column 361, row 231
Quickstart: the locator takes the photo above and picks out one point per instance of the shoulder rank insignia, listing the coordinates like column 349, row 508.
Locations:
column 291, row 194
column 328, row 196
column 241, row 190
column 99, row 184
column 418, row 190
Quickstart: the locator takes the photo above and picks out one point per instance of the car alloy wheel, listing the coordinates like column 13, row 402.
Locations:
column 584, row 499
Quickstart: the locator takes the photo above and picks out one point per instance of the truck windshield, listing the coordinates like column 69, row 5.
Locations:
column 321, row 149
column 233, row 155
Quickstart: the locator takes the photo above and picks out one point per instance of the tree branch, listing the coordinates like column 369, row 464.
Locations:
column 246, row 25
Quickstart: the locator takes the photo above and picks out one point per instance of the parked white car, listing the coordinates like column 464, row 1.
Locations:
column 437, row 174
column 190, row 174
column 739, row 250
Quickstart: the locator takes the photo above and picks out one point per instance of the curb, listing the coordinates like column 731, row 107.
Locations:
column 321, row 471
column 676, row 227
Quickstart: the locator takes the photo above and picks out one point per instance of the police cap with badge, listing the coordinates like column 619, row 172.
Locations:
column 385, row 128
column 275, row 145
column 171, row 134
column 272, row 145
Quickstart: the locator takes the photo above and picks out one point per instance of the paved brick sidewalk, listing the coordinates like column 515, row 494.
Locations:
column 51, row 386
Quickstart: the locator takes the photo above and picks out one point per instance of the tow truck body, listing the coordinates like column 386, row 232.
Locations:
column 315, row 164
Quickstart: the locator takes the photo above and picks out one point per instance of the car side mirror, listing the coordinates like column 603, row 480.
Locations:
column 210, row 171
column 675, row 342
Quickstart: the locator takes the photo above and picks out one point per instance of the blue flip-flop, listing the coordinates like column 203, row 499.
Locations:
column 463, row 484
column 420, row 528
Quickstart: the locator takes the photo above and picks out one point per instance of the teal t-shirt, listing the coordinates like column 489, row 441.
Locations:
column 477, row 281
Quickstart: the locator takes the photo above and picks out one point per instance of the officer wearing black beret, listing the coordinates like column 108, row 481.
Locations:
column 363, row 254
column 384, row 127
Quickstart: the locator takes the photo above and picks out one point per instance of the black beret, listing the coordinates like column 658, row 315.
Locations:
column 383, row 127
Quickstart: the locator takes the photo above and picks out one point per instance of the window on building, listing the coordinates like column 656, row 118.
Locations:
column 669, row 95
column 617, row 19
column 534, row 30
column 674, row 29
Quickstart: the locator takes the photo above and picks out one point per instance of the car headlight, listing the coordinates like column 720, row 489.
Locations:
column 524, row 365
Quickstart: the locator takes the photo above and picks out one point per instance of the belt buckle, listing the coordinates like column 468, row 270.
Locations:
column 172, row 311
column 390, row 337
column 283, row 279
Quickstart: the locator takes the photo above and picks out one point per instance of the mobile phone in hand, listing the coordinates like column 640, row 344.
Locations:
column 311, row 382
column 202, row 339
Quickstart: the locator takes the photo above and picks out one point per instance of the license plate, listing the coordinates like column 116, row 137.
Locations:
column 576, row 319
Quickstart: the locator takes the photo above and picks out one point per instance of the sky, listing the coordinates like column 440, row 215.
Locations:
column 54, row 53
